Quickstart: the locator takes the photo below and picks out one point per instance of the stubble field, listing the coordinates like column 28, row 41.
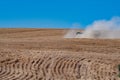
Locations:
column 43, row 54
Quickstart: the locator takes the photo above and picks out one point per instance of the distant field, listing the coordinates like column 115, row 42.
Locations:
column 43, row 54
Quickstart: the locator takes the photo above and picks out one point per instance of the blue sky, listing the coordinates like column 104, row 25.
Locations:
column 55, row 13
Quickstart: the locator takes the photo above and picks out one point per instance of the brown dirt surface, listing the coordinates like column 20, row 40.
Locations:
column 44, row 54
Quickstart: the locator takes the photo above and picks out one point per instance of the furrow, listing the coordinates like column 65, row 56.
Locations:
column 12, row 73
column 16, row 73
column 20, row 71
column 3, row 69
column 23, row 68
column 27, row 70
column 7, row 73
column 56, row 73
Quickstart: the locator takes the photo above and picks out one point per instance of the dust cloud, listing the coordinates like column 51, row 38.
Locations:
column 102, row 29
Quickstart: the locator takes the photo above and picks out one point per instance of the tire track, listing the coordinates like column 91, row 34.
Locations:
column 56, row 67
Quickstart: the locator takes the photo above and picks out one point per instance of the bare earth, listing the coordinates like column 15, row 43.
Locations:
column 43, row 54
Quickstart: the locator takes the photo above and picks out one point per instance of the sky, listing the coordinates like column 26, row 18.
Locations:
column 55, row 13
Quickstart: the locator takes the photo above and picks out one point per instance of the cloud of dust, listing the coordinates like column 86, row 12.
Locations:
column 103, row 29
column 72, row 32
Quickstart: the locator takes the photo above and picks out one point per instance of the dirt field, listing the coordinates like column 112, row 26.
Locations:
column 43, row 54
